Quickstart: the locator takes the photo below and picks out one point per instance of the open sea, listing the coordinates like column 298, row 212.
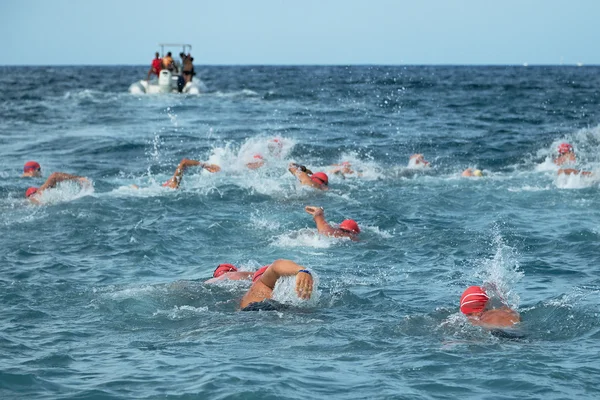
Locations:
column 102, row 289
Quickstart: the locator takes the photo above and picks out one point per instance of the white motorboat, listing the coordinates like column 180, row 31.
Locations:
column 170, row 81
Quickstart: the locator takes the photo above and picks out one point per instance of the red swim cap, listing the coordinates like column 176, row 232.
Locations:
column 350, row 225
column 258, row 156
column 31, row 166
column 31, row 191
column 320, row 178
column 564, row 148
column 258, row 273
column 222, row 269
column 473, row 300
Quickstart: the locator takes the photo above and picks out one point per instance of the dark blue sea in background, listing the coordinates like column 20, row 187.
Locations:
column 102, row 289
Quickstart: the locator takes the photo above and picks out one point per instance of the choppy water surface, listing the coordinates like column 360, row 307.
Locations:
column 102, row 289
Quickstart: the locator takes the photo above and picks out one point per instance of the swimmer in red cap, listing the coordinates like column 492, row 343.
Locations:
column 566, row 154
column 343, row 169
column 175, row 181
column 258, row 161
column 472, row 173
column 229, row 272
column 264, row 280
column 31, row 170
column 275, row 147
column 348, row 228
column 475, row 304
column 317, row 180
column 33, row 193
column 418, row 161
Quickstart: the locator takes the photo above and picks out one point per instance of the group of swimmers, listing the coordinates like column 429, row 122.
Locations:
column 475, row 302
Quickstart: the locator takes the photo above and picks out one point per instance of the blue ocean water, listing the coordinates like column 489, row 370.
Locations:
column 102, row 289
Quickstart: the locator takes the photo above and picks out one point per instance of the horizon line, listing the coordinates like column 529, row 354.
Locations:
column 318, row 65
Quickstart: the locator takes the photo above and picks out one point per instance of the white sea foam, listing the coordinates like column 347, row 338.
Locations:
column 305, row 238
column 285, row 292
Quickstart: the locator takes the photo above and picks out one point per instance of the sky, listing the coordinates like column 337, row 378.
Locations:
column 302, row 32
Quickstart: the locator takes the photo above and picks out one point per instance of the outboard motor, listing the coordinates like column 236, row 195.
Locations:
column 164, row 81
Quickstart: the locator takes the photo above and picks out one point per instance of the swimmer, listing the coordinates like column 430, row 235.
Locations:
column 470, row 173
column 317, row 180
column 175, row 181
column 229, row 272
column 343, row 169
column 475, row 304
column 418, row 161
column 31, row 170
column 33, row 193
column 258, row 162
column 572, row 171
column 264, row 280
column 348, row 228
column 566, row 154
column 275, row 147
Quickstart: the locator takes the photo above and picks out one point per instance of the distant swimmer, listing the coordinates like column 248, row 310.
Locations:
column 31, row 170
column 33, row 193
column 175, row 181
column 229, row 272
column 343, row 169
column 418, row 161
column 472, row 173
column 264, row 280
column 475, row 304
column 348, row 228
column 566, row 154
column 257, row 162
column 572, row 171
column 275, row 147
column 317, row 180
column 155, row 67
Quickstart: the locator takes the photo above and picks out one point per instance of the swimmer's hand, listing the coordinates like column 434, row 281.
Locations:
column 304, row 285
column 211, row 168
column 85, row 182
column 314, row 210
column 301, row 168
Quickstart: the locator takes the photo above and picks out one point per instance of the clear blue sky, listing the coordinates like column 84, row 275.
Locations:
column 75, row 32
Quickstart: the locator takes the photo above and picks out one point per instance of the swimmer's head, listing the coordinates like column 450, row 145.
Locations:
column 564, row 148
column 473, row 300
column 350, row 225
column 477, row 172
column 223, row 269
column 320, row 178
column 32, row 168
column 258, row 273
column 31, row 191
column 258, row 157
column 275, row 146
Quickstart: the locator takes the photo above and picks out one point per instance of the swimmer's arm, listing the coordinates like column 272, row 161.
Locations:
column 57, row 177
column 303, row 176
column 319, row 216
column 175, row 181
column 279, row 268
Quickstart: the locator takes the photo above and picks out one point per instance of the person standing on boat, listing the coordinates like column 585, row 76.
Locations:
column 188, row 68
column 168, row 63
column 155, row 67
